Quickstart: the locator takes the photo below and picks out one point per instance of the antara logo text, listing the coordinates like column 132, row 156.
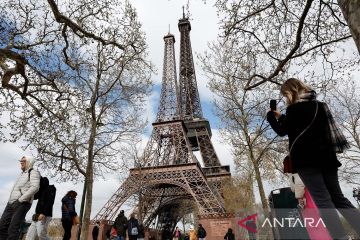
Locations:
column 249, row 222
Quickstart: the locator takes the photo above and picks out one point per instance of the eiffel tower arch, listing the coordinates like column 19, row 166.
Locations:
column 168, row 174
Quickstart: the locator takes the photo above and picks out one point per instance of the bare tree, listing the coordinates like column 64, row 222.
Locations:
column 39, row 40
column 345, row 103
column 262, row 44
column 239, row 194
column 256, row 148
column 308, row 39
column 105, row 84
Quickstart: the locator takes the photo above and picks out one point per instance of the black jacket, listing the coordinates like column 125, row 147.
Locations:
column 201, row 232
column 132, row 223
column 46, row 201
column 229, row 236
column 121, row 224
column 314, row 148
column 95, row 231
column 141, row 233
column 166, row 234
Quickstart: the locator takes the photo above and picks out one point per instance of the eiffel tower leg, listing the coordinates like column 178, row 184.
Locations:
column 110, row 210
column 206, row 201
column 207, row 150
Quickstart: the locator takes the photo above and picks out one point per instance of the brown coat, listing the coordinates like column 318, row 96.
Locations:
column 192, row 234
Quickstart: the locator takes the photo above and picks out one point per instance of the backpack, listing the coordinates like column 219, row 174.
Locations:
column 134, row 231
column 202, row 232
column 133, row 227
column 44, row 183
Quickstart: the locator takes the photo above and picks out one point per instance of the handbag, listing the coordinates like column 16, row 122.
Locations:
column 287, row 165
column 287, row 162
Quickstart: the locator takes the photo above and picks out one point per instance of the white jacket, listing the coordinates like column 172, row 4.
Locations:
column 24, row 188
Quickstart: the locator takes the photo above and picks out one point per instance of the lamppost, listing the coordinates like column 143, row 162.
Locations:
column 356, row 195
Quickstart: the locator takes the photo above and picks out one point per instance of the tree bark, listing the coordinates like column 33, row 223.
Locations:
column 89, row 184
column 351, row 12
column 264, row 202
column 252, row 194
column 259, row 181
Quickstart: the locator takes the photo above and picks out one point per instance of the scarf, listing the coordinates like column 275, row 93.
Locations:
column 339, row 142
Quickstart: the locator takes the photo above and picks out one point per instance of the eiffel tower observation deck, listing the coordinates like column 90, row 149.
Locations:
column 198, row 128
column 168, row 174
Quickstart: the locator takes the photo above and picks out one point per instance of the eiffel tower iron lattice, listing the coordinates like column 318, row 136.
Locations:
column 169, row 174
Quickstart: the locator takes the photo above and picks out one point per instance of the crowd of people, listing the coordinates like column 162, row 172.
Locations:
column 123, row 227
column 192, row 234
column 30, row 186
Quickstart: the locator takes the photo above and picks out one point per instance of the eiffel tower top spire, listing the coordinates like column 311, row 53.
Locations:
column 169, row 107
column 189, row 99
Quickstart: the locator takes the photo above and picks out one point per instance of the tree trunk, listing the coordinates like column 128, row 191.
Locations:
column 89, row 184
column 252, row 194
column 261, row 189
column 351, row 12
column 259, row 182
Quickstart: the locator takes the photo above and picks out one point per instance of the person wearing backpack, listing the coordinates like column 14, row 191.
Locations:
column 68, row 213
column 20, row 201
column 95, row 231
column 43, row 211
column 229, row 235
column 132, row 226
column 201, row 232
column 121, row 224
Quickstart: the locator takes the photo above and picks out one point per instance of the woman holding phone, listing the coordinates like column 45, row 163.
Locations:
column 314, row 140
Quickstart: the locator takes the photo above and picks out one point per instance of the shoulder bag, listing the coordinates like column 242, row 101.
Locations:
column 287, row 162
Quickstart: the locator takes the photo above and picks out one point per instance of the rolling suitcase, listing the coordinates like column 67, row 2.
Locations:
column 284, row 206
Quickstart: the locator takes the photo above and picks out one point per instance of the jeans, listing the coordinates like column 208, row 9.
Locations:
column 38, row 229
column 120, row 237
column 67, row 225
column 12, row 218
column 325, row 190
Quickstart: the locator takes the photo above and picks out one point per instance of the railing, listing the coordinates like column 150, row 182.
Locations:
column 217, row 170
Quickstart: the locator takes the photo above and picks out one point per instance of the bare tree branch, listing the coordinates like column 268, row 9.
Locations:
column 76, row 28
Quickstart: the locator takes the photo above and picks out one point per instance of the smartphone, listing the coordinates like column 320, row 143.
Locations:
column 273, row 104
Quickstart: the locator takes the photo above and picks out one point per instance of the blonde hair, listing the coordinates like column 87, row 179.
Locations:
column 292, row 88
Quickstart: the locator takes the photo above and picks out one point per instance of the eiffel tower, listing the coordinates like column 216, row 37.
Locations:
column 169, row 176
